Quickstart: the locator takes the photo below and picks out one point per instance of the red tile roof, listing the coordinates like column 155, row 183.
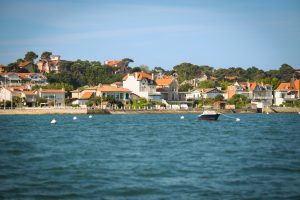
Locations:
column 29, row 92
column 297, row 84
column 164, row 81
column 140, row 76
column 231, row 77
column 284, row 86
column 109, row 88
column 113, row 63
column 24, row 63
column 52, row 91
column 87, row 95
column 252, row 86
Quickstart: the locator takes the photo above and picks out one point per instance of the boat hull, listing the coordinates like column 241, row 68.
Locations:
column 208, row 117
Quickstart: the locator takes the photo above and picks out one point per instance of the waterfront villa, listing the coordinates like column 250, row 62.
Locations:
column 10, row 79
column 143, row 85
column 7, row 94
column 259, row 94
column 53, row 96
column 243, row 88
column 262, row 95
column 29, row 98
column 198, row 94
column 287, row 92
column 103, row 91
column 168, row 87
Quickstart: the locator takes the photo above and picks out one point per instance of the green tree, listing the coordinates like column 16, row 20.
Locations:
column 187, row 71
column 136, row 69
column 46, row 55
column 96, row 101
column 185, row 87
column 224, row 84
column 238, row 100
column 286, row 72
column 40, row 101
column 17, row 101
column 207, row 84
column 219, row 97
column 30, row 56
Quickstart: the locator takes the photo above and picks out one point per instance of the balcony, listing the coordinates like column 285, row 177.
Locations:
column 263, row 97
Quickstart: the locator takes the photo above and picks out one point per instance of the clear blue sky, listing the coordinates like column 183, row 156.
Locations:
column 232, row 33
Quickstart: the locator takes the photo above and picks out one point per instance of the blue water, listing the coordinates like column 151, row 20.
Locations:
column 150, row 157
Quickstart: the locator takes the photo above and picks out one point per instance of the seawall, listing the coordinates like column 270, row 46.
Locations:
column 43, row 111
column 70, row 110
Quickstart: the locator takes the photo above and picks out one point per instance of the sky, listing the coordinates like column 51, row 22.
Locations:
column 156, row 33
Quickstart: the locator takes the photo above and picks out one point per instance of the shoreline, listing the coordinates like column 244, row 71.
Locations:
column 47, row 111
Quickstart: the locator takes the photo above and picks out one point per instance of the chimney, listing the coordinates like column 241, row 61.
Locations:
column 136, row 75
column 152, row 76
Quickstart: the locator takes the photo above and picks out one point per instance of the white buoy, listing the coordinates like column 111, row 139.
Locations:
column 182, row 117
column 267, row 113
column 53, row 121
column 90, row 116
column 74, row 118
column 237, row 119
column 299, row 113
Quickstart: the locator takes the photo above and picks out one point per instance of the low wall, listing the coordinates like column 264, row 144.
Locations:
column 40, row 111
column 286, row 109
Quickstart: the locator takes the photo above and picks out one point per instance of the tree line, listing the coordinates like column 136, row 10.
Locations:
column 80, row 73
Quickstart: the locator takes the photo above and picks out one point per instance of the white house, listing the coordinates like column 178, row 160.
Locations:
column 198, row 94
column 287, row 92
column 29, row 97
column 53, row 95
column 143, row 85
column 168, row 87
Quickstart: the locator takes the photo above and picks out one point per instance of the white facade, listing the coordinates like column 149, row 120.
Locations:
column 55, row 96
column 141, row 86
column 281, row 97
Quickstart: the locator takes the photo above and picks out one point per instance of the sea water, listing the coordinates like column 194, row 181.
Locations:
column 150, row 156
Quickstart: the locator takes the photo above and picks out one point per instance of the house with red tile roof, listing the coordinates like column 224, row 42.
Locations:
column 53, row 96
column 10, row 79
column 243, row 88
column 7, row 94
column 103, row 91
column 287, row 92
column 49, row 65
column 168, row 87
column 121, row 64
column 143, row 85
column 261, row 95
column 29, row 98
column 118, row 93
column 198, row 94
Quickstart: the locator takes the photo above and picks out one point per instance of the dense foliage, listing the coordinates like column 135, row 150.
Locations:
column 80, row 73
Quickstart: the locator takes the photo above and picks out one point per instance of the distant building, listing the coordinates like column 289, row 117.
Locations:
column 53, row 96
column 143, row 85
column 49, row 65
column 287, row 92
column 198, row 94
column 262, row 95
column 121, row 64
column 230, row 78
column 28, row 65
column 196, row 81
column 168, row 87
